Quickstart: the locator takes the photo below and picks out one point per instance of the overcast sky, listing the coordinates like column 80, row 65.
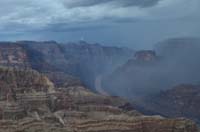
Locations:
column 133, row 23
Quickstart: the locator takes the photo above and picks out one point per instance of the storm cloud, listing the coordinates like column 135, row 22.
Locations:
column 20, row 17
column 81, row 3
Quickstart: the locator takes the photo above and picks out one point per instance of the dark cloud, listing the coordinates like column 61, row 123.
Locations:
column 128, row 22
column 140, row 3
column 82, row 3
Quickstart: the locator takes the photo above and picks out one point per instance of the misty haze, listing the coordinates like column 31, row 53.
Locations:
column 99, row 66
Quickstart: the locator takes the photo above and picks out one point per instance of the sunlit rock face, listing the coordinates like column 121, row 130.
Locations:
column 179, row 101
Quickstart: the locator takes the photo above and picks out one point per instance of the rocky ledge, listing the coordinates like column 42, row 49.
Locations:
column 31, row 103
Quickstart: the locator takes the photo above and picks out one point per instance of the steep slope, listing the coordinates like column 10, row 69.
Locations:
column 14, row 81
column 174, row 61
column 81, row 60
column 12, row 55
column 134, row 78
column 23, row 91
column 180, row 101
column 34, row 105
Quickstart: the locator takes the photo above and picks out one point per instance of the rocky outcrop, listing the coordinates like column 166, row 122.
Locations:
column 78, row 97
column 111, row 124
column 173, row 62
column 61, row 79
column 180, row 101
column 134, row 77
column 22, row 91
column 31, row 103
column 144, row 124
column 12, row 55
column 14, row 81
column 81, row 60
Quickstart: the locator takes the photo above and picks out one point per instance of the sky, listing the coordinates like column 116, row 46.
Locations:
column 136, row 24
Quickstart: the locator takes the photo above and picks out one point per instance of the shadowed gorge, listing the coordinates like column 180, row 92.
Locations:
column 173, row 62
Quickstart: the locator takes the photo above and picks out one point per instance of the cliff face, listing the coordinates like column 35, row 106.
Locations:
column 30, row 102
column 135, row 77
column 15, row 81
column 13, row 55
column 180, row 101
column 82, row 60
column 173, row 62
column 22, row 91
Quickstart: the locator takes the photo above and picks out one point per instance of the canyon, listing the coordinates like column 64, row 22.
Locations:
column 80, row 60
column 172, row 62
column 49, row 86
column 30, row 102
